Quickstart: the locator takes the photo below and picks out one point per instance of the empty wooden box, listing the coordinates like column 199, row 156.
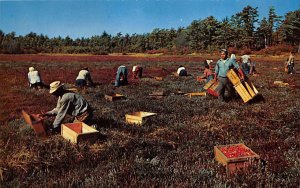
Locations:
column 246, row 90
column 138, row 117
column 35, row 123
column 114, row 97
column 78, row 132
column 235, row 156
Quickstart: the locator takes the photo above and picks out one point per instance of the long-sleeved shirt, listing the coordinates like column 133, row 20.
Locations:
column 69, row 103
column 223, row 66
column 34, row 77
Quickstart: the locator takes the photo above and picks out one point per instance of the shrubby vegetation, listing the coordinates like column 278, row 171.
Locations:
column 208, row 34
column 172, row 149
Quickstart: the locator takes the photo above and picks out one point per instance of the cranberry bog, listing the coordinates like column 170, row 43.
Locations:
column 172, row 149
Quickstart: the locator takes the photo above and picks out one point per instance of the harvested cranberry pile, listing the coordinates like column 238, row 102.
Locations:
column 235, row 151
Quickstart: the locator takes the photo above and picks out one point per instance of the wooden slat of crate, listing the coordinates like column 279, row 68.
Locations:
column 196, row 94
column 35, row 123
column 233, row 77
column 138, row 117
column 77, row 132
column 242, row 91
column 233, row 164
column 209, row 84
column 250, row 90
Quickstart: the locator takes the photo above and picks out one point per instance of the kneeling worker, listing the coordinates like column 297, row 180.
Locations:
column 181, row 71
column 68, row 103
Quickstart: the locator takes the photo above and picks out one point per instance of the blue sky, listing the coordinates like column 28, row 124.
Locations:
column 91, row 17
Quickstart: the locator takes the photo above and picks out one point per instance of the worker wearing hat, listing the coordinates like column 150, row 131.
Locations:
column 68, row 103
column 222, row 67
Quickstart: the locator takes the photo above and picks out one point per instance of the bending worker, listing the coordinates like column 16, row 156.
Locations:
column 121, row 77
column 34, row 79
column 181, row 71
column 68, row 103
column 222, row 67
column 137, row 72
column 84, row 78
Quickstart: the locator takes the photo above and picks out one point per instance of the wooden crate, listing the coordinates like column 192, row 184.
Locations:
column 35, row 123
column 138, row 117
column 281, row 83
column 78, row 132
column 209, row 84
column 196, row 94
column 235, row 156
column 233, row 77
column 159, row 78
column 157, row 94
column 215, row 89
column 114, row 97
column 247, row 91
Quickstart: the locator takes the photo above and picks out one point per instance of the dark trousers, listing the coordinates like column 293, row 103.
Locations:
column 183, row 73
column 80, row 83
column 225, row 84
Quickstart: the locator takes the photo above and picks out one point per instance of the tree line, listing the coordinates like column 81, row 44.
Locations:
column 241, row 31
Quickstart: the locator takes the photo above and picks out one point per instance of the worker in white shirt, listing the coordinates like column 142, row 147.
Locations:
column 181, row 71
column 34, row 79
column 84, row 78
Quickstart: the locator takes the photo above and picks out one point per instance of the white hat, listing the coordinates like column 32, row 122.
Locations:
column 31, row 69
column 232, row 56
column 55, row 85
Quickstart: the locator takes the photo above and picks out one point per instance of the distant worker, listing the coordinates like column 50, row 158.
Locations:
column 246, row 64
column 209, row 63
column 222, row 67
column 121, row 77
column 34, row 79
column 84, row 78
column 137, row 72
column 207, row 74
column 68, row 103
column 290, row 64
column 181, row 71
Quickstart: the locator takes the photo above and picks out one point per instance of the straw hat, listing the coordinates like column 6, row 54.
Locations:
column 55, row 86
column 31, row 69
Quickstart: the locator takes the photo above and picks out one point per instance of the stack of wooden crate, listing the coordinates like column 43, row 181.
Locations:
column 244, row 88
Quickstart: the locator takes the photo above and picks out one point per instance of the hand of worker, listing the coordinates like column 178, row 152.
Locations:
column 40, row 116
column 215, row 77
column 241, row 74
